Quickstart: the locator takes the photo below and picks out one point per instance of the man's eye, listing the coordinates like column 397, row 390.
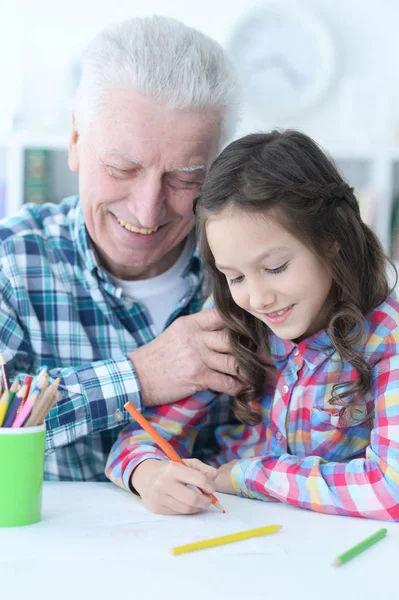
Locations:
column 118, row 171
column 182, row 183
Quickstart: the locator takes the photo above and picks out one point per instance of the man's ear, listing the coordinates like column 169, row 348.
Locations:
column 73, row 148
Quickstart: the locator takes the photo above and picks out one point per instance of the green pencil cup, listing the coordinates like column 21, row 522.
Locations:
column 21, row 475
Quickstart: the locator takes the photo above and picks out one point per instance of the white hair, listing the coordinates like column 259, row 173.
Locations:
column 163, row 59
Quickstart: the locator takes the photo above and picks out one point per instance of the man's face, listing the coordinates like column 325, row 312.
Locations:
column 140, row 166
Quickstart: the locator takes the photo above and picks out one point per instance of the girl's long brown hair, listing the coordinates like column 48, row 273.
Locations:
column 287, row 171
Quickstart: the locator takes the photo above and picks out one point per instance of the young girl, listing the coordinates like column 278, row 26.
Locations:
column 301, row 283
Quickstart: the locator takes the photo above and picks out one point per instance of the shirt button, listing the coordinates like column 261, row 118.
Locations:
column 296, row 352
column 278, row 436
column 118, row 415
column 285, row 389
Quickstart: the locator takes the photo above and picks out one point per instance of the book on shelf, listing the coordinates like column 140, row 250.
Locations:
column 37, row 175
column 395, row 230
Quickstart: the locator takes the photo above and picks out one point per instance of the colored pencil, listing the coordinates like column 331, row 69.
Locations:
column 226, row 539
column 43, row 405
column 356, row 550
column 4, row 373
column 38, row 387
column 13, row 407
column 28, row 382
column 3, row 405
column 164, row 445
column 14, row 389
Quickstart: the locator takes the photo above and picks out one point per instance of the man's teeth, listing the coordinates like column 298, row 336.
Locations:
column 130, row 227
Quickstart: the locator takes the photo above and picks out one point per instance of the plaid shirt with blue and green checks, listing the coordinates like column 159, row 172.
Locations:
column 59, row 308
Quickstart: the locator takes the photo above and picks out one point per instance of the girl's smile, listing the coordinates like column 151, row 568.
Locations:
column 279, row 316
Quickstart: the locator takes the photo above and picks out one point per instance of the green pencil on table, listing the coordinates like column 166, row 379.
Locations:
column 356, row 550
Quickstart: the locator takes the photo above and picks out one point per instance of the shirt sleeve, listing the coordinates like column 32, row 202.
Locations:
column 177, row 423
column 362, row 487
column 91, row 397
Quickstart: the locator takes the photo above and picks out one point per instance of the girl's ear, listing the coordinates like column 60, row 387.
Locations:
column 331, row 249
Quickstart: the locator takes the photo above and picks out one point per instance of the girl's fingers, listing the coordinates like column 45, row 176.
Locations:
column 191, row 476
column 174, row 506
column 192, row 499
column 197, row 464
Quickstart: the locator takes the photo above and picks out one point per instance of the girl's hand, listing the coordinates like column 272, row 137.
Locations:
column 162, row 485
column 223, row 478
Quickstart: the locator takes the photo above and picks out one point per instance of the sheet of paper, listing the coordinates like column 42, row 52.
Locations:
column 119, row 526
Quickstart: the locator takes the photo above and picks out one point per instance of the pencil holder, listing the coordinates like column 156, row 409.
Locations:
column 21, row 475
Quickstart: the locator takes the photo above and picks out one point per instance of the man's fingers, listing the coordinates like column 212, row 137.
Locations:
column 217, row 341
column 224, row 384
column 223, row 363
column 210, row 320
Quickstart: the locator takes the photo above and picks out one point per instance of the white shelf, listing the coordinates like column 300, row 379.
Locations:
column 369, row 153
column 27, row 139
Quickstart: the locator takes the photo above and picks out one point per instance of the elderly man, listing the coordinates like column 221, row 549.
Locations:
column 102, row 287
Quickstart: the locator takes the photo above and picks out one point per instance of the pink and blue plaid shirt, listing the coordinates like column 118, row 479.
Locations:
column 302, row 452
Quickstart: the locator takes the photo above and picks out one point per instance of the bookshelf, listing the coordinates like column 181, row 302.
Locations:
column 370, row 169
column 14, row 151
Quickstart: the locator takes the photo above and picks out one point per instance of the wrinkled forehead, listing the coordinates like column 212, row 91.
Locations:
column 126, row 119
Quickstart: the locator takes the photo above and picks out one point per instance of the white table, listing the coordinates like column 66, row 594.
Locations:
column 85, row 548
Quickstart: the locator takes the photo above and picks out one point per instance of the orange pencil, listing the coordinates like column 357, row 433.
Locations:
column 164, row 445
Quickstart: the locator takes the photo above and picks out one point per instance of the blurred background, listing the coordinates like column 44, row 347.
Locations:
column 327, row 67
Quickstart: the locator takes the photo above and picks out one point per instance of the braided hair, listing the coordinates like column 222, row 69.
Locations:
column 287, row 172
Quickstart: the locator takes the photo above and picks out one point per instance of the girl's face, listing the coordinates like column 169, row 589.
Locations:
column 270, row 273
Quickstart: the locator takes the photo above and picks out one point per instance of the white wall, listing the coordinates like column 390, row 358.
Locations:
column 37, row 39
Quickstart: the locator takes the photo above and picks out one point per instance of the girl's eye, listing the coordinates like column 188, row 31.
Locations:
column 236, row 280
column 279, row 269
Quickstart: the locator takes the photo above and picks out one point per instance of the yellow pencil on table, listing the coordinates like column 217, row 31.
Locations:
column 226, row 539
column 164, row 445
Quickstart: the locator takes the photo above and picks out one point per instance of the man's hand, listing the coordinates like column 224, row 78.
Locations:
column 162, row 485
column 223, row 478
column 192, row 354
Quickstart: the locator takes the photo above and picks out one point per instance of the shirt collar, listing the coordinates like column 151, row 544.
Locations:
column 87, row 255
column 314, row 349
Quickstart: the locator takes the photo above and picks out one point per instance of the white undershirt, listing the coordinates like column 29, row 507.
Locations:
column 160, row 294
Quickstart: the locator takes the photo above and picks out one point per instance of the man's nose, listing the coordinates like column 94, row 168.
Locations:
column 147, row 201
